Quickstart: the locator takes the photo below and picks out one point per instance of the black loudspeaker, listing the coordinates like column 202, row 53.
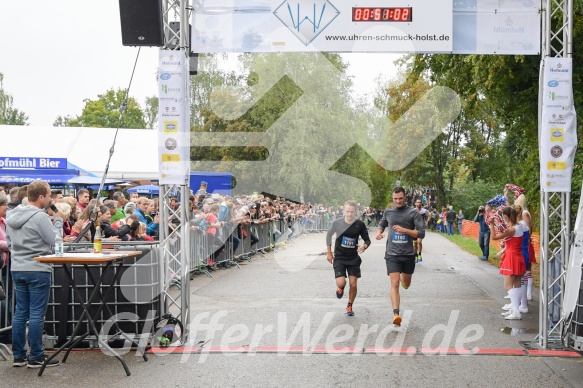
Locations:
column 141, row 22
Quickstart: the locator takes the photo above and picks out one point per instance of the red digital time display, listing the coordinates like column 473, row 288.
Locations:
column 368, row 14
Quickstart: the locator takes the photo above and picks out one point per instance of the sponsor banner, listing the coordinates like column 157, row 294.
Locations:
column 508, row 33
column 28, row 163
column 500, row 5
column 322, row 25
column 464, row 27
column 496, row 27
column 173, row 118
column 558, row 131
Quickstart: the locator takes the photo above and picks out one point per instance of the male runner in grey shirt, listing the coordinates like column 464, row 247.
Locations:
column 405, row 224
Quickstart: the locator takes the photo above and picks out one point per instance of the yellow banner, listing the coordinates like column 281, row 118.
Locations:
column 556, row 165
column 170, row 157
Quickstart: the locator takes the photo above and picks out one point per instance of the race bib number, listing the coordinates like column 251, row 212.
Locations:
column 399, row 238
column 348, row 242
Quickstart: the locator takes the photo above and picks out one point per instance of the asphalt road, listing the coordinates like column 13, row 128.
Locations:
column 285, row 302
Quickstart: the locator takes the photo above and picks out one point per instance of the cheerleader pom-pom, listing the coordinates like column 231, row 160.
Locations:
column 497, row 201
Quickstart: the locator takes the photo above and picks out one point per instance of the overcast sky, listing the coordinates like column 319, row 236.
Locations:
column 56, row 53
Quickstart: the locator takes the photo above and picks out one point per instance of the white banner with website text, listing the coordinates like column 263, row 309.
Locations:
column 322, row 25
column 391, row 26
column 558, row 130
column 173, row 118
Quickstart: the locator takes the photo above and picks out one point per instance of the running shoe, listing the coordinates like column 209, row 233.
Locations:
column 18, row 362
column 38, row 363
column 397, row 320
column 513, row 316
column 507, row 306
column 420, row 259
column 349, row 311
column 339, row 293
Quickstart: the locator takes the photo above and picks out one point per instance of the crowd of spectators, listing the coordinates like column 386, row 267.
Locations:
column 423, row 193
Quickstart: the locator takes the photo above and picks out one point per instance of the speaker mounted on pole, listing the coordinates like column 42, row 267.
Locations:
column 141, row 22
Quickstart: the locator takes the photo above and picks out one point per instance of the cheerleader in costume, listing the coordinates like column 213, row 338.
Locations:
column 512, row 267
column 521, row 201
column 526, row 255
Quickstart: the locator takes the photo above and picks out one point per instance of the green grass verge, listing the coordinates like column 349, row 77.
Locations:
column 470, row 245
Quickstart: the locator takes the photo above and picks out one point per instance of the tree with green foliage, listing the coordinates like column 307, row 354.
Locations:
column 298, row 107
column 500, row 95
column 151, row 112
column 104, row 112
column 8, row 114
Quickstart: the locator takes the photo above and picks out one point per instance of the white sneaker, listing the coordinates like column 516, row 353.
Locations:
column 507, row 297
column 523, row 310
column 505, row 313
column 513, row 316
column 507, row 306
column 529, row 297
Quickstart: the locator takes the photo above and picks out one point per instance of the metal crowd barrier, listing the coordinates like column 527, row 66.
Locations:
column 254, row 240
column 198, row 251
column 6, row 313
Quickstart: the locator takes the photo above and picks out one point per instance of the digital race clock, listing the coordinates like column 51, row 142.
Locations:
column 368, row 14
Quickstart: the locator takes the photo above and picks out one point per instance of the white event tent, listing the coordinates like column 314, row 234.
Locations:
column 135, row 157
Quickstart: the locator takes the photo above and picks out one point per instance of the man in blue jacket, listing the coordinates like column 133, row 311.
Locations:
column 141, row 208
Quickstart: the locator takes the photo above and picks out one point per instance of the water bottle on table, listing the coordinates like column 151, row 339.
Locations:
column 59, row 244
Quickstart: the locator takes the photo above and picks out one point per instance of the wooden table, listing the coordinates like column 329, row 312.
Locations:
column 107, row 259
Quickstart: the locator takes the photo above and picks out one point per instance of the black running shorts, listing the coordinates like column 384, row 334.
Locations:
column 404, row 264
column 342, row 267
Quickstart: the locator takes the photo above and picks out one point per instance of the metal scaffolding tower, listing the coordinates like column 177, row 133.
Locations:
column 555, row 208
column 174, row 237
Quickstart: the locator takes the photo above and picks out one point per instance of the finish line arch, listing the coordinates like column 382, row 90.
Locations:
column 555, row 205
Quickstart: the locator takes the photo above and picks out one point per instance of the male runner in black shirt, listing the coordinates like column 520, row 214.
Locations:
column 346, row 249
